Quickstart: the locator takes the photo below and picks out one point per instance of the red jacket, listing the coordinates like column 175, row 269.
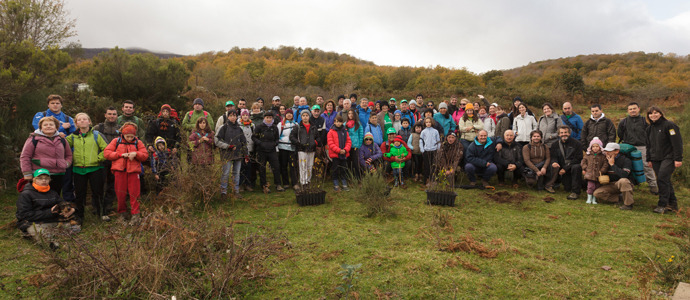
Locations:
column 386, row 147
column 114, row 153
column 334, row 144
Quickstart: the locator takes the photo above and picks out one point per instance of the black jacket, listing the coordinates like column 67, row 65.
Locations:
column 320, row 125
column 603, row 129
column 509, row 154
column 305, row 142
column 266, row 137
column 34, row 207
column 621, row 168
column 573, row 153
column 664, row 141
column 632, row 130
column 167, row 128
column 231, row 134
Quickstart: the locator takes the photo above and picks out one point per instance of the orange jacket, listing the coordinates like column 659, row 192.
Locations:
column 114, row 152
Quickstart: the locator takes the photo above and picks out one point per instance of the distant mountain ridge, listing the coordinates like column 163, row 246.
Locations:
column 90, row 53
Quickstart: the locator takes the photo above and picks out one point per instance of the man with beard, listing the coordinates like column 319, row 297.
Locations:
column 453, row 105
column 165, row 127
column 566, row 155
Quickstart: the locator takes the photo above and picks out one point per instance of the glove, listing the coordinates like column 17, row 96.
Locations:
column 231, row 147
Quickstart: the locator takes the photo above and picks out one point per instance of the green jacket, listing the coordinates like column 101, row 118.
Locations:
column 87, row 153
column 189, row 123
column 395, row 151
column 141, row 130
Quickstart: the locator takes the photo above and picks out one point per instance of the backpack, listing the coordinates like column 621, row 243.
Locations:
column 96, row 134
column 191, row 112
column 35, row 142
column 119, row 141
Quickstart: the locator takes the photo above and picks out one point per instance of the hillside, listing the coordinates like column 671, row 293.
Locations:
column 89, row 53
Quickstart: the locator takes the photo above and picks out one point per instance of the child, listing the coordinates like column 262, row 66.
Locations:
column 414, row 143
column 594, row 164
column 201, row 142
column 161, row 163
column 375, row 129
column 233, row 144
column 339, row 145
column 397, row 151
column 429, row 141
column 304, row 138
column 397, row 122
column 356, row 131
column 88, row 148
column 286, row 149
column 369, row 154
column 405, row 129
column 127, row 153
column 249, row 168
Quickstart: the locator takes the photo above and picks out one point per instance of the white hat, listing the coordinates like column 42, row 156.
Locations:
column 612, row 147
column 276, row 98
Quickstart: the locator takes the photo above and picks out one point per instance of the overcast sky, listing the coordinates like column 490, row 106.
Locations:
column 477, row 35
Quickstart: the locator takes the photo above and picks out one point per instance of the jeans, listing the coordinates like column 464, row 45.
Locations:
column 236, row 165
column 485, row 172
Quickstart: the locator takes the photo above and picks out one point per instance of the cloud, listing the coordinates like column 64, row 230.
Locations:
column 478, row 35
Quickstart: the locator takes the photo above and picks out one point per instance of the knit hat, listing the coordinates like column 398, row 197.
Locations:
column 316, row 107
column 289, row 111
column 304, row 112
column 390, row 130
column 166, row 106
column 159, row 140
column 597, row 141
column 413, row 102
column 444, row 105
column 397, row 112
column 398, row 139
column 229, row 102
column 198, row 101
column 129, row 128
column 368, row 135
column 244, row 112
column 371, row 104
column 467, row 106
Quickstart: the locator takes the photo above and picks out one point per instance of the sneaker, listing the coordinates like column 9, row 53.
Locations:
column 336, row 188
column 573, row 196
column 105, row 218
column 659, row 210
column 279, row 188
column 345, row 188
column 296, row 187
column 626, row 207
column 286, row 186
column 550, row 190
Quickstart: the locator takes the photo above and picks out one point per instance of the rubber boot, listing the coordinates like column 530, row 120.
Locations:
column 589, row 198
column 594, row 200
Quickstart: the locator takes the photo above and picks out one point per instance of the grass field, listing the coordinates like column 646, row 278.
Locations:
column 541, row 249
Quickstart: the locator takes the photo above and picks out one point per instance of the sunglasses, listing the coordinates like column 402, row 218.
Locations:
column 368, row 139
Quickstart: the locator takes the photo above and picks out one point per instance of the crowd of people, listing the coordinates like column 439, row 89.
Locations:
column 408, row 140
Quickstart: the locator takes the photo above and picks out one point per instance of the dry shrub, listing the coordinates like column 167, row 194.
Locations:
column 375, row 194
column 468, row 244
column 192, row 187
column 166, row 256
column 442, row 219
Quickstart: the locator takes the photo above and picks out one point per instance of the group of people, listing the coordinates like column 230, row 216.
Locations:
column 413, row 140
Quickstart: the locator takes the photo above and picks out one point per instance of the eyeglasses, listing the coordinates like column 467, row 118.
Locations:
column 368, row 139
column 429, row 105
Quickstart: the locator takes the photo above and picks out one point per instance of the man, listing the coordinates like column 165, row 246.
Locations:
column 406, row 113
column 632, row 130
column 319, row 123
column 265, row 139
column 566, row 155
column 275, row 105
column 295, row 103
column 619, row 172
column 420, row 99
column 224, row 118
column 391, row 105
column 346, row 106
column 189, row 121
column 453, row 104
column 599, row 126
column 165, row 127
column 509, row 158
column 319, row 101
column 109, row 130
column 241, row 104
column 67, row 125
column 572, row 120
column 479, row 159
column 340, row 100
column 363, row 110
column 128, row 116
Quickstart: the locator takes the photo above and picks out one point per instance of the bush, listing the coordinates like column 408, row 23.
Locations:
column 375, row 194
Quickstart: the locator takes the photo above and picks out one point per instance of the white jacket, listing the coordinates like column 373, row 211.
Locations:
column 523, row 126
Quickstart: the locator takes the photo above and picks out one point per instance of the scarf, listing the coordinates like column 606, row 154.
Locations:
column 483, row 116
column 350, row 123
column 41, row 189
column 247, row 123
column 269, row 124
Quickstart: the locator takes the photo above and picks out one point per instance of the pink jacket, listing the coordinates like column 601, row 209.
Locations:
column 51, row 153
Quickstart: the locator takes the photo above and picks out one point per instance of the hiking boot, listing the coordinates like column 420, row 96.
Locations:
column 336, row 188
column 267, row 190
column 659, row 210
column 485, row 183
column 473, row 183
column 626, row 207
column 279, row 188
column 671, row 209
column 345, row 188
column 249, row 188
column 286, row 186
column 654, row 190
column 573, row 196
column 550, row 190
column 105, row 218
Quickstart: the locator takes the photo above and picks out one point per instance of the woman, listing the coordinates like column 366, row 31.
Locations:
column 356, row 133
column 469, row 126
column 385, row 117
column 329, row 114
column 537, row 157
column 45, row 149
column 664, row 155
column 232, row 142
column 523, row 125
column 257, row 114
column 286, row 149
column 549, row 123
column 489, row 123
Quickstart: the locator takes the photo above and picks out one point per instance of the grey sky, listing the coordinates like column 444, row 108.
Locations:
column 478, row 35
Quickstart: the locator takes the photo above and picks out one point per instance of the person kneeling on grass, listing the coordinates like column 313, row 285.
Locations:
column 127, row 153
column 40, row 210
column 339, row 149
column 398, row 151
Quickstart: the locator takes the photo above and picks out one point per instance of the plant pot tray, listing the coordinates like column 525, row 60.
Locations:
column 311, row 198
column 440, row 198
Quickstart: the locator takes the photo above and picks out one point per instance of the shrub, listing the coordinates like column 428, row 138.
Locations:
column 375, row 194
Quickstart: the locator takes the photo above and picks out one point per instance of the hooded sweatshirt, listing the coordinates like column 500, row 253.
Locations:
column 52, row 153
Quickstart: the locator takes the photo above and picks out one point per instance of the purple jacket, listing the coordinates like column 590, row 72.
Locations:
column 53, row 154
column 366, row 152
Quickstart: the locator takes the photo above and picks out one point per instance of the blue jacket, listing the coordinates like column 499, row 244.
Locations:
column 363, row 114
column 297, row 115
column 375, row 131
column 448, row 124
column 62, row 117
column 408, row 115
column 356, row 136
column 478, row 154
column 330, row 119
column 575, row 123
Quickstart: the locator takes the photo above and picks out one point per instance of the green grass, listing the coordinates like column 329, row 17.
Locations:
column 550, row 250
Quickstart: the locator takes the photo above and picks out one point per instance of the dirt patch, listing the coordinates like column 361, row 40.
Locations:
column 468, row 244
column 508, row 197
column 331, row 255
column 455, row 261
column 548, row 199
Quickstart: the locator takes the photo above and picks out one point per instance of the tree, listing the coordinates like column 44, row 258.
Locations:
column 43, row 22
